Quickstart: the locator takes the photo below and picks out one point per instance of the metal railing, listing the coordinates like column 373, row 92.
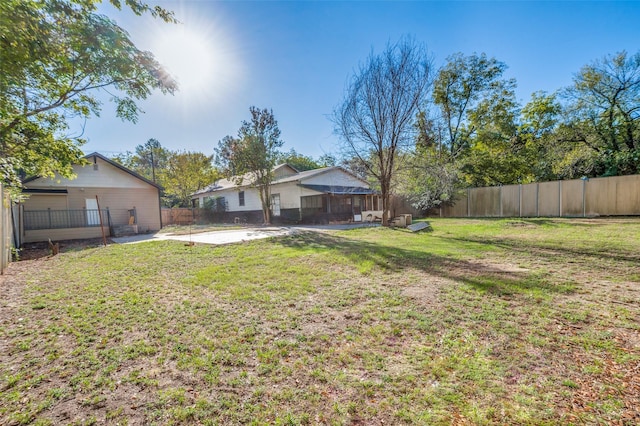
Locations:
column 57, row 219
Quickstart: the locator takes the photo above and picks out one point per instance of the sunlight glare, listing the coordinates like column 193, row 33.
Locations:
column 189, row 57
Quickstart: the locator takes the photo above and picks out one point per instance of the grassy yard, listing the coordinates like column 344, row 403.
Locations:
column 478, row 322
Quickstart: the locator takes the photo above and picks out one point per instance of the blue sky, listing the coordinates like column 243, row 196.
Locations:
column 296, row 57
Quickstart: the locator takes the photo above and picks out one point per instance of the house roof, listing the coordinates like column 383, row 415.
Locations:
column 297, row 177
column 340, row 190
column 113, row 163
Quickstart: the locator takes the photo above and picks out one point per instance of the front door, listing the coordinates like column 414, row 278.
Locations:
column 91, row 205
column 357, row 209
column 275, row 205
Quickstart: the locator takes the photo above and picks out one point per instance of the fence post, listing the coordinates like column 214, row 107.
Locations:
column 468, row 202
column 6, row 228
column 520, row 200
column 559, row 198
column 584, row 206
column 3, row 224
column 21, row 223
column 537, row 199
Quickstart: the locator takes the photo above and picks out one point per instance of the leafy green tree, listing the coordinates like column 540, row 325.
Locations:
column 150, row 160
column 124, row 158
column 299, row 161
column 496, row 155
column 55, row 55
column 355, row 165
column 540, row 120
column 249, row 159
column 185, row 173
column 327, row 160
column 468, row 92
column 375, row 120
column 431, row 177
column 477, row 120
column 603, row 113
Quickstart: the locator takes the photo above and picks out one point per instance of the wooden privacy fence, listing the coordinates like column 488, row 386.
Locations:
column 179, row 216
column 609, row 196
column 6, row 229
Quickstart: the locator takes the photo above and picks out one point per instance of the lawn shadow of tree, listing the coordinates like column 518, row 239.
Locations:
column 491, row 278
column 555, row 252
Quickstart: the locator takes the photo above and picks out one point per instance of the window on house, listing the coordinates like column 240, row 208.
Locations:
column 314, row 202
column 241, row 198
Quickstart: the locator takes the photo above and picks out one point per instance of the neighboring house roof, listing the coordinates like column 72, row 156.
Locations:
column 223, row 184
column 340, row 190
column 107, row 160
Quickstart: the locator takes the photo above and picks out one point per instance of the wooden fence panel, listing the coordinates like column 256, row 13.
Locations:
column 572, row 198
column 485, row 202
column 549, row 199
column 510, row 201
column 600, row 198
column 607, row 196
column 178, row 216
column 628, row 195
column 6, row 229
column 459, row 209
column 529, row 200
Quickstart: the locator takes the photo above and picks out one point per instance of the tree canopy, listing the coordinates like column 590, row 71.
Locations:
column 298, row 161
column 250, row 157
column 185, row 173
column 603, row 114
column 476, row 134
column 55, row 55
column 376, row 118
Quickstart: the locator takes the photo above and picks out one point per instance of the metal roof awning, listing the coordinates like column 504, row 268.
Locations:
column 341, row 190
column 44, row 191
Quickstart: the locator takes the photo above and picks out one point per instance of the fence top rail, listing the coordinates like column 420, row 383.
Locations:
column 62, row 210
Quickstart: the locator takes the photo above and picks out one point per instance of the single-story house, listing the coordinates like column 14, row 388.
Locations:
column 105, row 196
column 313, row 196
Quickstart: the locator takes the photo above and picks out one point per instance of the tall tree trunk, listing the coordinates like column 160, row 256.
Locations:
column 266, row 204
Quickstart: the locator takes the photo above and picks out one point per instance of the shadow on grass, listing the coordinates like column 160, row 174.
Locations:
column 554, row 252
column 582, row 222
column 496, row 279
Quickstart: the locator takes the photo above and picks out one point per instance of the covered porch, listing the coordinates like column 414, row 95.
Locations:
column 340, row 204
column 71, row 224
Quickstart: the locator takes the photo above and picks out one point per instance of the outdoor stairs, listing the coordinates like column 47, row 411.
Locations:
column 124, row 230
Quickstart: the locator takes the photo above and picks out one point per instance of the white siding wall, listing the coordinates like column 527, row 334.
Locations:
column 283, row 171
column 290, row 192
column 289, row 195
column 106, row 176
column 334, row 177
column 251, row 199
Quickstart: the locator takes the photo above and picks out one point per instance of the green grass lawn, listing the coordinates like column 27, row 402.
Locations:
column 477, row 322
